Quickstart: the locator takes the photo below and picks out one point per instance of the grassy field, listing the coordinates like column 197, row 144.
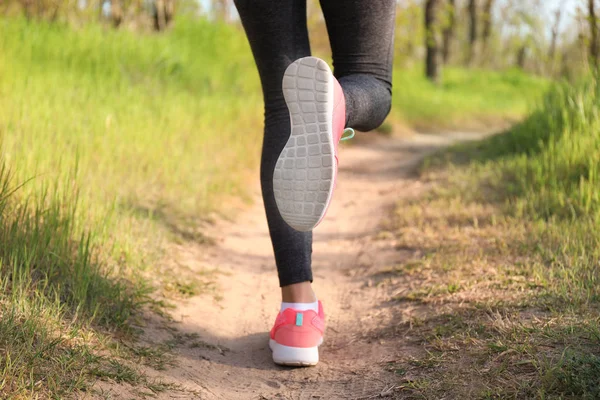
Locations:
column 509, row 264
column 116, row 145
column 113, row 145
column 466, row 99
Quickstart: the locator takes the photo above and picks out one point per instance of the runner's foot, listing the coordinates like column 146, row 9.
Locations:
column 306, row 170
column 296, row 336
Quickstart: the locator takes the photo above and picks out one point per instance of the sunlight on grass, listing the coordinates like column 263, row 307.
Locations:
column 115, row 142
column 116, row 145
column 156, row 128
column 152, row 122
column 466, row 98
column 546, row 169
column 508, row 259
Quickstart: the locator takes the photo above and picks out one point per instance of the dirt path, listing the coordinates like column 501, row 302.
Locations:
column 230, row 358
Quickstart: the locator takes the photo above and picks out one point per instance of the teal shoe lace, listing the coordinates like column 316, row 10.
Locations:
column 348, row 134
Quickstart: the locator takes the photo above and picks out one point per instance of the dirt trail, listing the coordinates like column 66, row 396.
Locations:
column 232, row 359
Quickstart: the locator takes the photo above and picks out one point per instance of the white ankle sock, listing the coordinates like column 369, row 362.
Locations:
column 301, row 306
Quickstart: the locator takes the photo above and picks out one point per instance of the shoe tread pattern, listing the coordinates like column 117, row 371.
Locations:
column 304, row 174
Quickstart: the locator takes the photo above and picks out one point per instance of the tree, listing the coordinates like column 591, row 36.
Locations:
column 593, row 32
column 449, row 30
column 523, row 28
column 472, row 10
column 49, row 10
column 410, row 32
column 522, row 56
column 432, row 67
column 554, row 39
column 163, row 13
column 487, row 26
column 116, row 12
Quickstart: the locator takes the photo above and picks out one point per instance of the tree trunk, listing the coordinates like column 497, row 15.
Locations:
column 169, row 11
column 522, row 57
column 160, row 19
column 432, row 68
column 116, row 12
column 554, row 40
column 163, row 13
column 472, row 31
column 487, row 26
column 449, row 31
column 593, row 32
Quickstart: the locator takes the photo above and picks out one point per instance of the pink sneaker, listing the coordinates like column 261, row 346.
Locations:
column 306, row 170
column 296, row 337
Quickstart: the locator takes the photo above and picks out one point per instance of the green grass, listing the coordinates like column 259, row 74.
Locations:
column 465, row 99
column 576, row 375
column 508, row 277
column 547, row 166
column 546, row 170
column 114, row 144
column 161, row 123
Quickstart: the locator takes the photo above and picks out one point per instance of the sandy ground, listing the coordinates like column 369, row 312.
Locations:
column 233, row 360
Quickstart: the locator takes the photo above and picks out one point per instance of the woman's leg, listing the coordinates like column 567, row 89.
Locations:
column 278, row 36
column 361, row 33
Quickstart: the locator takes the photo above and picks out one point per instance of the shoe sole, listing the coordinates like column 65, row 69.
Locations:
column 294, row 356
column 303, row 179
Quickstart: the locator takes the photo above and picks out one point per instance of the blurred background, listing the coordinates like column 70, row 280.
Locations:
column 127, row 126
column 548, row 37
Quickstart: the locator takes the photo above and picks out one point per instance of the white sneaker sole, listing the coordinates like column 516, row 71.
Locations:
column 303, row 179
column 294, row 356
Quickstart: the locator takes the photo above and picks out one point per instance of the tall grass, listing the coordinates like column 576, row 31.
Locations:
column 546, row 170
column 157, row 128
column 551, row 160
column 544, row 174
column 115, row 142
column 49, row 279
column 153, row 122
column 46, row 252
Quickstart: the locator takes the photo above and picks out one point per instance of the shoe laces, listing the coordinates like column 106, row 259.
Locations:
column 348, row 134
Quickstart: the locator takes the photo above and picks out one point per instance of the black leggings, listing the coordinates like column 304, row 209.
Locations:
column 361, row 33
